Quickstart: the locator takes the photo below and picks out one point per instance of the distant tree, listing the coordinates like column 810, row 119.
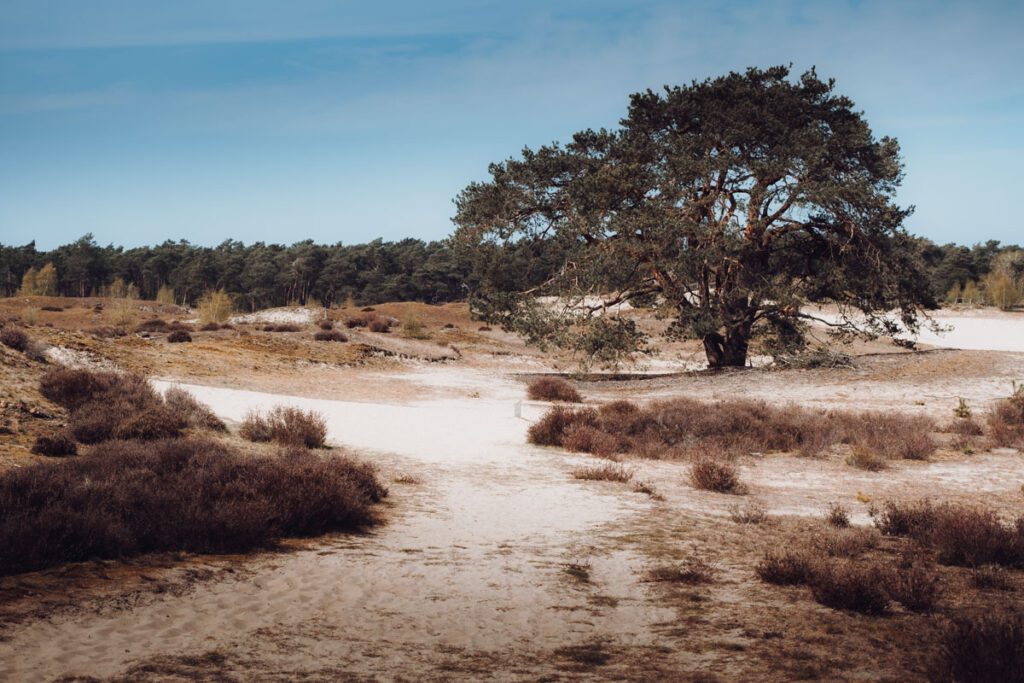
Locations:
column 29, row 283
column 733, row 203
column 46, row 280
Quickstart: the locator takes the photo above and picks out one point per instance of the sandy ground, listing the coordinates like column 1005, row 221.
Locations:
column 467, row 580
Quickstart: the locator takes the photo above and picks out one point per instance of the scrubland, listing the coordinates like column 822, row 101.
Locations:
column 424, row 498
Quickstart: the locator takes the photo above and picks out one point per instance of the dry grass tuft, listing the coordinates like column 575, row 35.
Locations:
column 553, row 389
column 712, row 475
column 751, row 513
column 128, row 498
column 287, row 426
column 608, row 472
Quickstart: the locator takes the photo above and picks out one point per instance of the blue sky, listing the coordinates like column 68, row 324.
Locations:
column 342, row 121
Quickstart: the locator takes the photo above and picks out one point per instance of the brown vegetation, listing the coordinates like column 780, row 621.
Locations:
column 179, row 337
column 693, row 571
column 1006, row 421
column 981, row 649
column 58, row 444
column 330, row 335
column 196, row 414
column 959, row 535
column 286, row 425
column 13, row 338
column 712, row 475
column 128, row 498
column 684, row 427
column 609, row 472
column 553, row 389
column 281, row 327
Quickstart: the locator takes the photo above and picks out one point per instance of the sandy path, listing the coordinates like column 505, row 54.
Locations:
column 469, row 566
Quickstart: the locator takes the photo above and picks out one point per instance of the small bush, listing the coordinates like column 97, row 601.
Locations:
column 752, row 513
column 330, row 335
column 603, row 473
column 693, row 571
column 52, row 309
column 858, row 588
column 195, row 414
column 909, row 519
column 58, row 444
column 282, row 327
column 837, row 516
column 413, row 328
column 379, row 325
column 711, row 475
column 325, row 325
column 864, row 458
column 13, row 338
column 981, row 649
column 1006, row 421
column 210, row 327
column 70, row 388
column 582, row 438
column 179, row 337
column 786, row 568
column 483, row 328
column 553, row 389
column 286, row 425
column 847, row 542
column 106, row 331
column 915, row 587
column 154, row 325
column 127, row 498
column 550, row 430
column 991, row 576
column 215, row 307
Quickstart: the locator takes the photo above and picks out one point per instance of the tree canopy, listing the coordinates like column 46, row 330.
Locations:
column 731, row 203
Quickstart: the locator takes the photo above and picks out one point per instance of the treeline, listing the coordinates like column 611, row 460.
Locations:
column 265, row 275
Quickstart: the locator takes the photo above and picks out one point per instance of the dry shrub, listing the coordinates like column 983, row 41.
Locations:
column 786, row 567
column 550, row 429
column 1006, row 421
column 109, row 405
column 583, row 438
column 483, row 328
column 196, row 414
column 693, row 571
column 210, row 327
column 846, row 542
column 553, row 389
column 52, row 309
column 325, row 325
column 286, row 425
column 154, row 325
column 282, row 327
column 129, row 498
column 380, row 325
column 685, row 427
column 608, row 472
column 13, row 338
column 176, row 325
column 215, row 307
column 848, row 586
column 838, row 516
column 988, row 648
column 967, row 426
column 992, row 576
column 330, row 336
column 106, row 331
column 916, row 586
column 960, row 535
column 864, row 458
column 751, row 513
column 179, row 337
column 58, row 444
column 712, row 475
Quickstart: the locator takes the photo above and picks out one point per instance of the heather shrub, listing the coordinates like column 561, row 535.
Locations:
column 128, row 498
column 693, row 571
column 837, row 516
column 1006, row 421
column 195, row 414
column 991, row 576
column 550, row 430
column 325, row 325
column 210, row 327
column 179, row 337
column 848, row 586
column 988, row 648
column 286, row 425
column 582, row 438
column 70, row 388
column 713, row 475
column 58, row 444
column 553, row 389
column 282, row 327
column 846, row 542
column 52, row 309
column 379, row 325
column 786, row 567
column 154, row 325
column 330, row 336
column 916, row 587
column 13, row 338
